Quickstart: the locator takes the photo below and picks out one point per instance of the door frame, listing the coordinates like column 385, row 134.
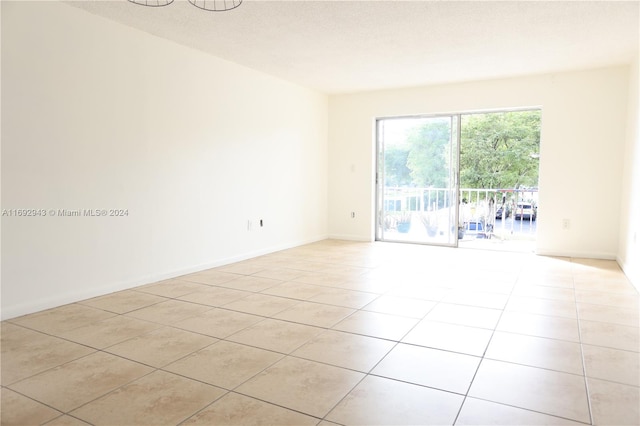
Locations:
column 379, row 165
column 454, row 143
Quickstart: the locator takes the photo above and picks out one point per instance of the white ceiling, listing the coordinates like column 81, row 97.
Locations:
column 349, row 46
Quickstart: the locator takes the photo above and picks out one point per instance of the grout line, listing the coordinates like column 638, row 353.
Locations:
column 584, row 365
column 483, row 357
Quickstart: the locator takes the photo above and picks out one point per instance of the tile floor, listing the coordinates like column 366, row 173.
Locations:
column 339, row 333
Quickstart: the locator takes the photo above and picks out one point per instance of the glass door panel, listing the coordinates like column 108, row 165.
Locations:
column 416, row 180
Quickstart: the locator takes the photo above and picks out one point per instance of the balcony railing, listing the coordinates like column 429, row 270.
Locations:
column 482, row 213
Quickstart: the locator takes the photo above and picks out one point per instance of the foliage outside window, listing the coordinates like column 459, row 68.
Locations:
column 497, row 151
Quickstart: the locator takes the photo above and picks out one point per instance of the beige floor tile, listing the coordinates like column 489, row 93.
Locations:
column 64, row 318
column 591, row 266
column 305, row 386
column 626, row 301
column 159, row 398
column 612, row 364
column 295, row 290
column 345, row 350
column 252, row 283
column 614, row 403
column 484, row 285
column 169, row 312
column 256, row 261
column 432, row 293
column 123, row 301
column 535, row 378
column 246, row 267
column 479, row 412
column 261, row 304
column 435, row 368
column 161, row 347
column 540, row 352
column 337, row 266
column 380, row 401
column 610, row 335
column 322, row 278
column 534, row 305
column 327, row 423
column 533, row 389
column 374, row 324
column 275, row 335
column 26, row 353
column 362, row 261
column 401, row 306
column 73, row 384
column 321, row 255
column 546, row 269
column 7, row 328
column 210, row 277
column 305, row 265
column 549, row 279
column 450, row 337
column 544, row 292
column 215, row 296
column 18, row 410
column 540, row 326
column 368, row 283
column 218, row 323
column 604, row 282
column 465, row 315
column 66, row 421
column 615, row 286
column 239, row 410
column 105, row 333
column 171, row 288
column 479, row 299
column 610, row 314
column 316, row 314
column 282, row 274
column 277, row 260
column 224, row 364
column 346, row 298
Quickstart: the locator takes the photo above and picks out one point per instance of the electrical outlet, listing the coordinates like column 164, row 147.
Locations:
column 353, row 215
column 566, row 224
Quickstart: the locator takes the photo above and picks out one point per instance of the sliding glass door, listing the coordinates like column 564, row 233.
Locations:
column 416, row 179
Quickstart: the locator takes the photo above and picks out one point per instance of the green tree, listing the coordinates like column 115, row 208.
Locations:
column 396, row 171
column 428, row 157
column 500, row 150
column 497, row 150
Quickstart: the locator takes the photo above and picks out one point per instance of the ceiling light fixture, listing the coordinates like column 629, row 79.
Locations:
column 210, row 5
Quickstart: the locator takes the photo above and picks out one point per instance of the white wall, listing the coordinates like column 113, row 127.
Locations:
column 583, row 141
column 629, row 251
column 96, row 115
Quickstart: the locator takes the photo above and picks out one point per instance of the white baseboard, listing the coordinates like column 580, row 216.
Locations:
column 632, row 273
column 76, row 296
column 574, row 254
column 66, row 298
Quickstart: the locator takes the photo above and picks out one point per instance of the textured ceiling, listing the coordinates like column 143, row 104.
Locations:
column 349, row 46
